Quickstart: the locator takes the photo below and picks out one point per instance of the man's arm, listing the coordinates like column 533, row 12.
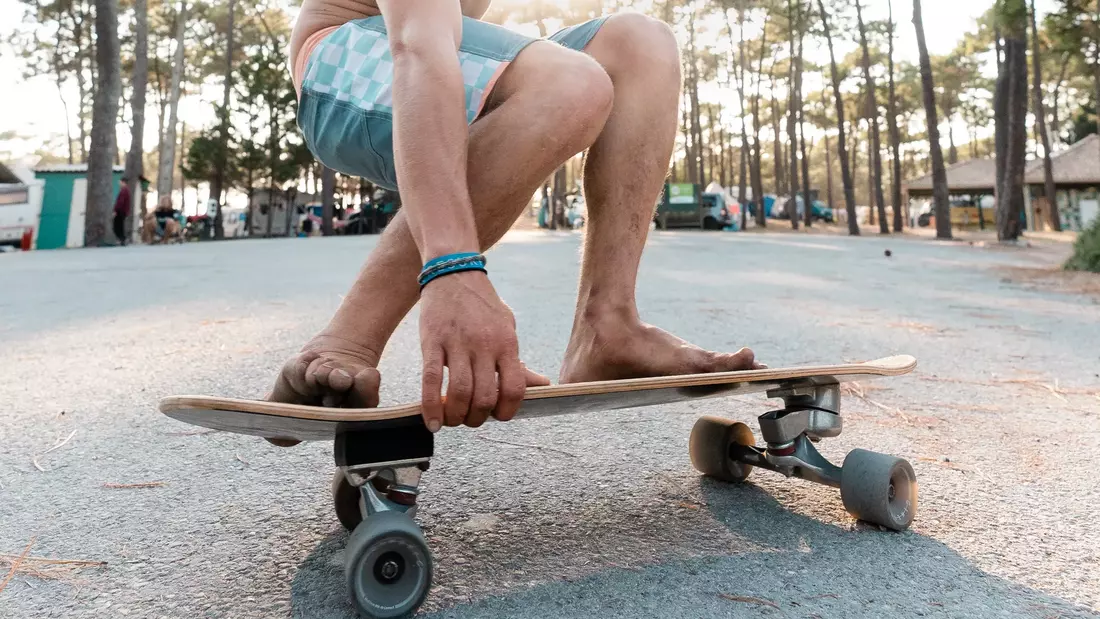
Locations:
column 464, row 326
column 429, row 123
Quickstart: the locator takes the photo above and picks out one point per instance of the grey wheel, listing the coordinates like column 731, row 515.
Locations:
column 388, row 566
column 879, row 489
column 345, row 498
column 709, row 447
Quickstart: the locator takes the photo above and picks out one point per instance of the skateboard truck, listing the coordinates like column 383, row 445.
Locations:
column 874, row 487
column 388, row 565
column 387, row 486
column 810, row 413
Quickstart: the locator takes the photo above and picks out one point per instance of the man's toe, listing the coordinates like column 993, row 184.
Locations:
column 730, row 362
column 364, row 391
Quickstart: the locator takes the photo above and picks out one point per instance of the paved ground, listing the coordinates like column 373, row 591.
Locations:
column 1001, row 422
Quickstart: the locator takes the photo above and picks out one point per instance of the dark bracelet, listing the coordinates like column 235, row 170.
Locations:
column 451, row 263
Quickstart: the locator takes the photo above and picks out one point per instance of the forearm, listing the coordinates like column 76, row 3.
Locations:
column 430, row 141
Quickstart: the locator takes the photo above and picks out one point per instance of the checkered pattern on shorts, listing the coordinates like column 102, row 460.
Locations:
column 354, row 65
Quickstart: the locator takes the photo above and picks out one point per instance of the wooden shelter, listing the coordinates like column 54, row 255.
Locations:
column 1076, row 184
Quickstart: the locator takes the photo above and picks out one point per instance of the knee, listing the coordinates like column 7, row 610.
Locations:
column 638, row 43
column 585, row 92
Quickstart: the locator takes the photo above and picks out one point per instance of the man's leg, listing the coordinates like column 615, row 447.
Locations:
column 120, row 228
column 624, row 172
column 549, row 104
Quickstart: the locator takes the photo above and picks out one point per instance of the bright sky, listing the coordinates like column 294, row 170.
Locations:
column 33, row 109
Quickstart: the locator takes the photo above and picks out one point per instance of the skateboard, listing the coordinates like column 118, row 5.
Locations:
column 381, row 454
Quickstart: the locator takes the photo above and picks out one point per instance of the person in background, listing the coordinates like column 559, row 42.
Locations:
column 161, row 225
column 123, row 204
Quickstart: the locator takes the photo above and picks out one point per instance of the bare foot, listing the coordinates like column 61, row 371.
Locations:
column 614, row 347
column 330, row 371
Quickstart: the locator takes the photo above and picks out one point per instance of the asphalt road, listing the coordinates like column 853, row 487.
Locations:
column 600, row 515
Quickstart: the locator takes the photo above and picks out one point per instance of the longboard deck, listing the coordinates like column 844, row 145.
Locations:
column 278, row 420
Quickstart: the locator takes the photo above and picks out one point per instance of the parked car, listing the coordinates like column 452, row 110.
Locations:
column 684, row 206
column 819, row 210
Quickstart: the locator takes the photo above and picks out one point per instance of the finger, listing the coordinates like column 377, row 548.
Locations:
column 533, row 378
column 485, row 393
column 460, row 389
column 431, row 389
column 513, row 385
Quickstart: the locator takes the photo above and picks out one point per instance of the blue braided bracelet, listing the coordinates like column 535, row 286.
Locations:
column 451, row 263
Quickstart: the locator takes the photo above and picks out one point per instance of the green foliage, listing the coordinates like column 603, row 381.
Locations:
column 1086, row 251
column 1084, row 124
column 202, row 156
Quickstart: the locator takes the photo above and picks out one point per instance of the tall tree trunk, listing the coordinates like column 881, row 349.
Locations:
column 806, row 202
column 1055, row 124
column 273, row 160
column 757, row 156
column 1041, row 122
column 841, row 141
column 792, row 117
column 952, row 151
column 689, row 138
column 328, row 184
column 853, row 152
column 1000, row 123
column 166, row 176
column 1096, row 62
column 104, row 116
column 1012, row 88
column 693, row 94
column 78, row 22
column 59, row 80
column 181, row 149
column 723, row 153
column 559, row 195
column 875, row 160
column 828, row 173
column 780, row 162
column 742, row 182
column 941, row 206
column 121, row 119
column 892, row 125
column 217, row 187
column 715, row 138
column 871, row 175
column 135, row 160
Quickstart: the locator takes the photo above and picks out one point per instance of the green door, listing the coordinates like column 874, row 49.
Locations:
column 57, row 197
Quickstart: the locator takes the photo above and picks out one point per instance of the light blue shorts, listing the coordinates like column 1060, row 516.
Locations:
column 346, row 107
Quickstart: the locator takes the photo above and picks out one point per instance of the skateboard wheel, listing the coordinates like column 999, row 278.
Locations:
column 709, row 447
column 345, row 498
column 388, row 566
column 879, row 489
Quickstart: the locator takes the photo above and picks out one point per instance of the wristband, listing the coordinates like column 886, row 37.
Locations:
column 450, row 263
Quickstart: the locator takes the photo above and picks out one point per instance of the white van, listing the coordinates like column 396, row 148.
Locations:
column 20, row 206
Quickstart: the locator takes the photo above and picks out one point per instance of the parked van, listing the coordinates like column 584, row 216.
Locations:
column 683, row 205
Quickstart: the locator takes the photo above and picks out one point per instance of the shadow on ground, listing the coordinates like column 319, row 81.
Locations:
column 785, row 565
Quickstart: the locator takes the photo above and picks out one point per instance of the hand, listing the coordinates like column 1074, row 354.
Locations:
column 467, row 328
